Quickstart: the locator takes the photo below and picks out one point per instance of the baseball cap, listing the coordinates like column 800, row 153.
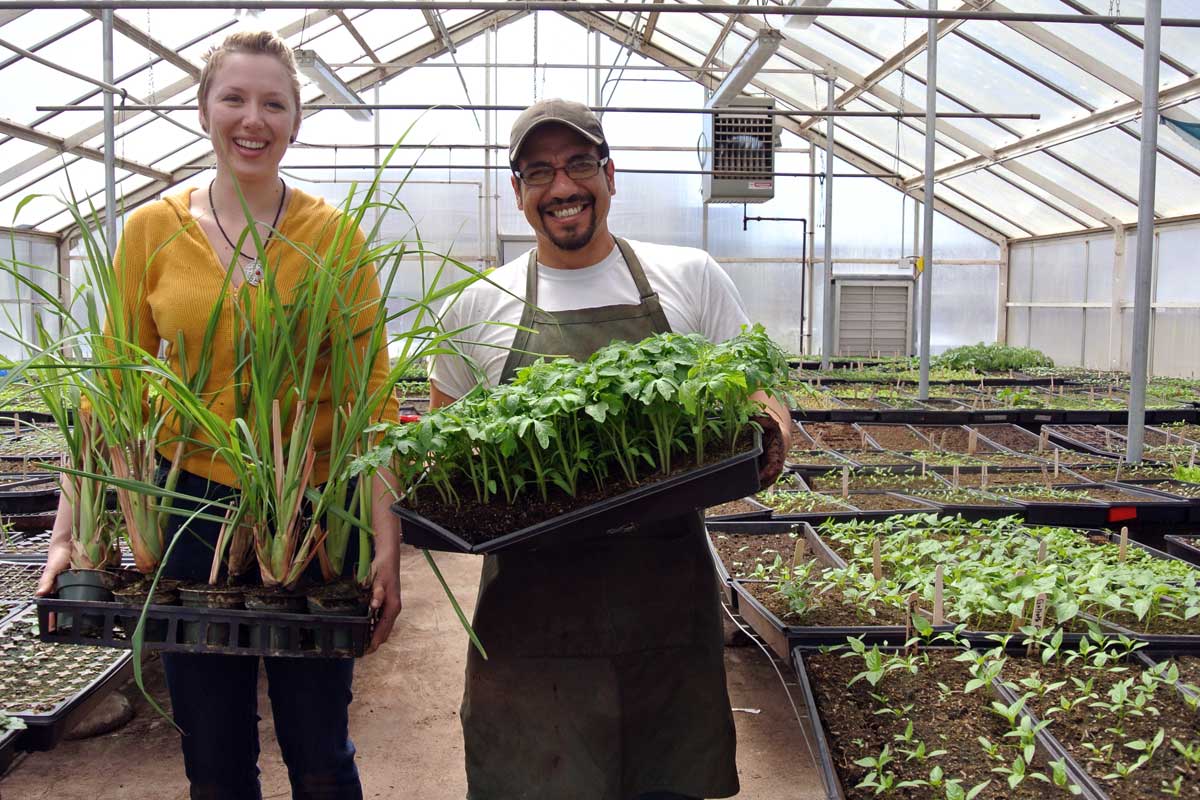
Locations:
column 564, row 112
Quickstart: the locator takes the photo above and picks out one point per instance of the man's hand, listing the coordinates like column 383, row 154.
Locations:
column 385, row 596
column 774, row 454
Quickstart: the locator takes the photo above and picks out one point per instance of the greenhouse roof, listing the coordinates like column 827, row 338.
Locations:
column 1073, row 168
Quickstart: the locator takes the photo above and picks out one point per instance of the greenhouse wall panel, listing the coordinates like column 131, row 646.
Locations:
column 1070, row 284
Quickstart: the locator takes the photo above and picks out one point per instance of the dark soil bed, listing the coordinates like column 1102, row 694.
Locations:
column 1179, row 489
column 486, row 521
column 1012, row 460
column 732, row 507
column 818, row 457
column 1015, row 438
column 953, row 438
column 834, row 435
column 742, row 553
column 881, row 501
column 868, row 480
column 963, row 497
column 1088, row 723
column 827, row 610
column 896, row 437
column 973, row 480
column 943, row 720
column 876, row 458
column 803, row 503
column 1109, row 473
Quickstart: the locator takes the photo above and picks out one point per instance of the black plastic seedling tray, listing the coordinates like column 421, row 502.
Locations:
column 1184, row 546
column 748, row 528
column 31, row 494
column 1146, row 486
column 729, row 479
column 44, row 729
column 179, row 629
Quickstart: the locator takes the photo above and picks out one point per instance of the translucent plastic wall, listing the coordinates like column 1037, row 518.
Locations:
column 1061, row 300
column 36, row 258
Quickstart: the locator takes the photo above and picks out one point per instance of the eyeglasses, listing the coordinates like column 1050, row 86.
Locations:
column 579, row 169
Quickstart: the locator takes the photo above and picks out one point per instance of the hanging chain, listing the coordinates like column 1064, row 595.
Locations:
column 899, row 120
column 535, row 55
column 1114, row 8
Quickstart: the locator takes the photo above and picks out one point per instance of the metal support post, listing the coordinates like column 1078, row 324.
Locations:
column 110, row 139
column 827, row 315
column 1143, row 276
column 927, row 237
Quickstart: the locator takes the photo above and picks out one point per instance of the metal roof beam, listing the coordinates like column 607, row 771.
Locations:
column 1097, row 121
column 9, row 15
column 901, row 58
column 459, row 34
column 352, row 29
column 620, row 33
column 59, row 145
column 147, row 41
column 181, row 85
column 651, row 24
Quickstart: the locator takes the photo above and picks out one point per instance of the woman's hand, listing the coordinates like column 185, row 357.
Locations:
column 385, row 595
column 58, row 554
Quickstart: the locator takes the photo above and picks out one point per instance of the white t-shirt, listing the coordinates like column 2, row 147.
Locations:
column 696, row 295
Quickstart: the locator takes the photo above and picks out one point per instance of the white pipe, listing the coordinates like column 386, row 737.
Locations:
column 827, row 315
column 110, row 138
column 927, row 208
column 1143, row 277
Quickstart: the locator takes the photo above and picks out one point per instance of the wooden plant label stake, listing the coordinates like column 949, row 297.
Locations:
column 983, row 477
column 876, row 560
column 1045, row 477
column 16, row 426
column 939, row 611
column 1043, row 440
column 922, row 465
column 910, row 611
column 972, row 441
column 1052, row 383
column 1039, row 619
column 1092, row 393
column 1043, row 547
column 845, row 481
column 865, row 446
column 1107, row 439
column 799, row 553
column 1124, row 547
column 954, row 475
column 1056, row 464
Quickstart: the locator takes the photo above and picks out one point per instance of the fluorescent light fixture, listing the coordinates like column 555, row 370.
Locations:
column 747, row 66
column 316, row 70
column 802, row 21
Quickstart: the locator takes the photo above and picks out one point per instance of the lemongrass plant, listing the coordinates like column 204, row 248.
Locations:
column 87, row 358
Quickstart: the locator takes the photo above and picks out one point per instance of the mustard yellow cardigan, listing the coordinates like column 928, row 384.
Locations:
column 172, row 280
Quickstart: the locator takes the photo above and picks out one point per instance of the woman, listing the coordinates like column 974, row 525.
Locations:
column 249, row 98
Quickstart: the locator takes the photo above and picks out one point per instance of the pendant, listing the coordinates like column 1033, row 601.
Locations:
column 253, row 272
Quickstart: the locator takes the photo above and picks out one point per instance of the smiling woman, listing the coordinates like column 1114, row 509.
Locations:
column 189, row 269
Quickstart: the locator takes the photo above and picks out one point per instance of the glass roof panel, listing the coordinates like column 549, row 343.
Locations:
column 1045, row 63
column 913, row 91
column 1076, row 182
column 1103, row 43
column 981, row 213
column 882, row 132
column 993, row 86
column 693, row 30
column 882, row 35
column 837, row 49
column 31, row 28
column 1079, row 217
column 1025, row 210
column 1182, row 44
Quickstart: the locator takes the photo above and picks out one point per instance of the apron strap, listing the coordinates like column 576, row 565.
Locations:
column 523, row 339
column 649, row 297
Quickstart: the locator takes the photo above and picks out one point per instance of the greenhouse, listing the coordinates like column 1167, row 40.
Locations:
column 648, row 400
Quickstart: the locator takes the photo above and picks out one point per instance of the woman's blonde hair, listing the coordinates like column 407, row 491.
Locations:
column 265, row 43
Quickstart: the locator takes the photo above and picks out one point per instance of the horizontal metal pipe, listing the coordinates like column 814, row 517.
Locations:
column 569, row 6
column 648, row 148
column 606, row 109
column 541, row 65
column 506, row 168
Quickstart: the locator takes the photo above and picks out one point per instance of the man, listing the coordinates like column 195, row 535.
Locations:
column 605, row 678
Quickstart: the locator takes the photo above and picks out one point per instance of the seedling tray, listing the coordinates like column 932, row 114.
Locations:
column 32, row 495
column 746, row 528
column 1184, row 546
column 18, row 581
column 729, row 479
column 8, row 749
column 25, row 546
column 226, row 631
column 1151, row 487
column 45, row 727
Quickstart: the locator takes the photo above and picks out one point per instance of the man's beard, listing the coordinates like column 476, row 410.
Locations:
column 579, row 239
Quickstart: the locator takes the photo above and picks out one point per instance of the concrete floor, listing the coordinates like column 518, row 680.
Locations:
column 404, row 720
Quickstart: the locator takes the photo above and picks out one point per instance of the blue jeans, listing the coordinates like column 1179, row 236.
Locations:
column 214, row 698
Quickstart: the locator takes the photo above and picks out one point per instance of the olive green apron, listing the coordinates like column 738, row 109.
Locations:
column 606, row 673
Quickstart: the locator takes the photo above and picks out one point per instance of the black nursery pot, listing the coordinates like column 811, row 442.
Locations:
column 134, row 595
column 338, row 600
column 85, row 584
column 204, row 596
column 273, row 601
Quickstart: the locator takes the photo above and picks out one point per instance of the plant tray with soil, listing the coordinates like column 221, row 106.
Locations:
column 741, row 550
column 1121, row 472
column 884, row 480
column 1156, row 437
column 50, row 686
column 1017, row 439
column 1132, row 727
column 809, row 460
column 789, row 502
column 745, row 508
column 1089, row 438
column 878, row 458
column 22, row 466
column 895, row 437
column 1055, row 506
column 616, row 511
column 24, row 545
column 1026, row 477
column 18, row 581
column 901, row 725
column 834, row 435
column 887, row 501
column 28, row 494
column 966, row 503
column 213, row 620
column 1181, row 490
column 954, row 439
column 35, row 521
